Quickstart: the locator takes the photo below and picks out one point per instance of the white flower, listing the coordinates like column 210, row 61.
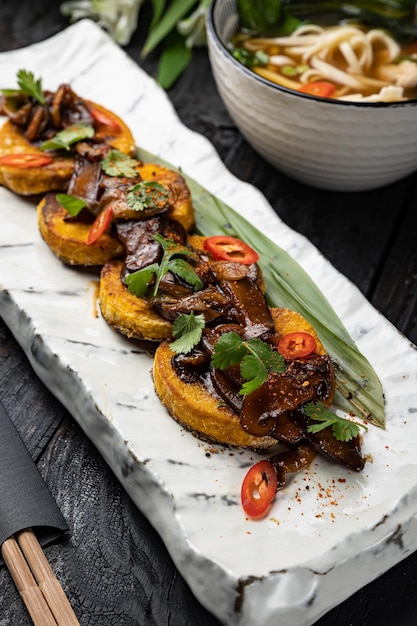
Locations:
column 193, row 28
column 118, row 17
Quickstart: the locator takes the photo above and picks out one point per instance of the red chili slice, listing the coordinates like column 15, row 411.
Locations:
column 105, row 119
column 25, row 160
column 100, row 225
column 321, row 88
column 258, row 489
column 297, row 344
column 227, row 248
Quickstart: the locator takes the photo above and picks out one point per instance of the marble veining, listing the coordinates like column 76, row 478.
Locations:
column 287, row 568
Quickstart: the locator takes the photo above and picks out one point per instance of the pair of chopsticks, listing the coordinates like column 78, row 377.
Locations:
column 39, row 589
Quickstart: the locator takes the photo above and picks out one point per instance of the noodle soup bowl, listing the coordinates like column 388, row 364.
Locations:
column 326, row 143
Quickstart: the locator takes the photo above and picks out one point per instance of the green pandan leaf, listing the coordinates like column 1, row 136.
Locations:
column 168, row 21
column 358, row 388
column 174, row 59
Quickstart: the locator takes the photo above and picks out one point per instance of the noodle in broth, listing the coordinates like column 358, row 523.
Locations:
column 353, row 63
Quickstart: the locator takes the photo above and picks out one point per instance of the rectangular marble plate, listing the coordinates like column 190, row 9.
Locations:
column 323, row 529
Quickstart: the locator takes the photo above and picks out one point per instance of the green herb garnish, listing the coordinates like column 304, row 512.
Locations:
column 248, row 58
column 116, row 163
column 187, row 329
column 70, row 203
column 65, row 138
column 257, row 359
column 343, row 429
column 138, row 282
column 148, row 195
column 28, row 86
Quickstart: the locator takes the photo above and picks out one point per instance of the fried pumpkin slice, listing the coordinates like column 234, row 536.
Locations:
column 138, row 317
column 199, row 410
column 182, row 210
column 68, row 238
column 126, row 313
column 28, row 178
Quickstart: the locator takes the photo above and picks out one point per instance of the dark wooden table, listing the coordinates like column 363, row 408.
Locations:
column 114, row 567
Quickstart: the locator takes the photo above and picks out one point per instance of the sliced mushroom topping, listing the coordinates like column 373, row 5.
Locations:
column 225, row 388
column 19, row 115
column 35, row 127
column 211, row 302
column 347, row 453
column 92, row 151
column 85, row 181
column 138, row 239
column 301, row 382
column 229, row 270
column 190, row 367
column 68, row 108
column 250, row 309
column 287, row 430
column 290, row 461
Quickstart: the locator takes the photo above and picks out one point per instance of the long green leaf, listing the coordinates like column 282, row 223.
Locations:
column 358, row 388
column 176, row 11
column 158, row 7
column 173, row 60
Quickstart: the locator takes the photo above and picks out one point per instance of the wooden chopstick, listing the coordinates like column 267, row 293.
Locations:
column 30, row 593
column 37, row 584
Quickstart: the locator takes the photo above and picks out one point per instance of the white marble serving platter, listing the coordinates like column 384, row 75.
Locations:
column 330, row 532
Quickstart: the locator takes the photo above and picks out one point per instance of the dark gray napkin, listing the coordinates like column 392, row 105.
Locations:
column 25, row 500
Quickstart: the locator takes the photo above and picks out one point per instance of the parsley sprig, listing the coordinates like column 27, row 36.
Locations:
column 70, row 135
column 28, row 86
column 343, row 429
column 139, row 281
column 257, row 359
column 187, row 330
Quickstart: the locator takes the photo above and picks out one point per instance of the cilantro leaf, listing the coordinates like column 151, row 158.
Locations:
column 256, row 359
column 70, row 203
column 254, row 371
column 116, row 163
column 28, row 86
column 65, row 138
column 138, row 282
column 172, row 247
column 148, row 195
column 229, row 350
column 259, row 348
column 181, row 268
column 275, row 362
column 187, row 330
column 343, row 429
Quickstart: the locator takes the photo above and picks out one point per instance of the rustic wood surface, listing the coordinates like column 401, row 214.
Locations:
column 114, row 567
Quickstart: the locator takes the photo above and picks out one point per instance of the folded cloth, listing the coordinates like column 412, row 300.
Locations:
column 26, row 501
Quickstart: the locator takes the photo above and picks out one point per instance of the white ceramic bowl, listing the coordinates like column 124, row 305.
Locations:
column 325, row 143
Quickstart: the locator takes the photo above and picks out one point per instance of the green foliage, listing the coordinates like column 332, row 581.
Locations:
column 116, row 163
column 67, row 137
column 256, row 359
column 343, row 429
column 147, row 195
column 28, row 86
column 139, row 281
column 70, row 203
column 187, row 330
